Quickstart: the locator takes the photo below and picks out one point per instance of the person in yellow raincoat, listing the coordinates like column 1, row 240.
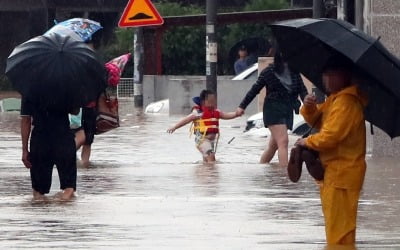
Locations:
column 341, row 143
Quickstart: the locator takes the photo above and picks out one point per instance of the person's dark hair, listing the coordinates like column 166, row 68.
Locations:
column 342, row 64
column 278, row 61
column 243, row 47
column 205, row 93
column 338, row 62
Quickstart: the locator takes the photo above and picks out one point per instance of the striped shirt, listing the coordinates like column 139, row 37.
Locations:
column 275, row 89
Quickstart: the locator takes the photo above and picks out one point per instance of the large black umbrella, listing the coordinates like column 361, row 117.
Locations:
column 56, row 70
column 308, row 44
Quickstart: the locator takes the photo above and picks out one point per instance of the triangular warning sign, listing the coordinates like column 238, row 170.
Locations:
column 140, row 13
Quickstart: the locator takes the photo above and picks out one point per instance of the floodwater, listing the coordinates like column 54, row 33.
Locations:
column 147, row 189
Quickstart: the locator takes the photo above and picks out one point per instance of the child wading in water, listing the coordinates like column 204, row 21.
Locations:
column 205, row 117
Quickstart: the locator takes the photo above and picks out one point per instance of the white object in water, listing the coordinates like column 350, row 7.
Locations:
column 158, row 107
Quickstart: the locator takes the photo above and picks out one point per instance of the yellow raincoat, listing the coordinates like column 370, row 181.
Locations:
column 341, row 143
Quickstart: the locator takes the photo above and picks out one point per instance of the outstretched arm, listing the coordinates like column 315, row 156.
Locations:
column 182, row 123
column 262, row 81
column 228, row 115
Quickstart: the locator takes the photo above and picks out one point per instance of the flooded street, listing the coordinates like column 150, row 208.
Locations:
column 147, row 189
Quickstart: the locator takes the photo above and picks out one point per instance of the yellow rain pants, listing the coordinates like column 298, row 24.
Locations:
column 340, row 212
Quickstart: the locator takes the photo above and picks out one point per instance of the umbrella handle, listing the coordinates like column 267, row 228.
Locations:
column 371, row 128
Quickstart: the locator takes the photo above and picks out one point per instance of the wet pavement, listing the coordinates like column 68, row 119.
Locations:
column 147, row 189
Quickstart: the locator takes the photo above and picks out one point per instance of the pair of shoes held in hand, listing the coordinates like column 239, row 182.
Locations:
column 298, row 155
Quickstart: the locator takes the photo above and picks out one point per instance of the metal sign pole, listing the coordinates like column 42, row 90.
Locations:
column 211, row 46
column 318, row 9
column 138, row 67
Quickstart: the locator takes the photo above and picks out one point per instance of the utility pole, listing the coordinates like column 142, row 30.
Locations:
column 138, row 52
column 318, row 12
column 359, row 14
column 211, row 45
column 318, row 9
column 346, row 10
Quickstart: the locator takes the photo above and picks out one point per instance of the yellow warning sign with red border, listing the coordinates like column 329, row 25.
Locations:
column 140, row 13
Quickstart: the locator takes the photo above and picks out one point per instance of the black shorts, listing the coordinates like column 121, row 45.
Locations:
column 89, row 116
column 275, row 113
column 47, row 150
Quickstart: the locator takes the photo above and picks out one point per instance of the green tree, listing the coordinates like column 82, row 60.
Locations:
column 122, row 44
column 176, row 9
column 183, row 47
column 255, row 5
column 202, row 3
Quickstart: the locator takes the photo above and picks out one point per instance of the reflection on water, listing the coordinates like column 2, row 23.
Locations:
column 207, row 179
column 146, row 189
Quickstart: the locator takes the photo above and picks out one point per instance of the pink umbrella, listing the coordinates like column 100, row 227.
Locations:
column 115, row 67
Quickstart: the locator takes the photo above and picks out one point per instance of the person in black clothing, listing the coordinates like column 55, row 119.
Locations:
column 51, row 143
column 283, row 87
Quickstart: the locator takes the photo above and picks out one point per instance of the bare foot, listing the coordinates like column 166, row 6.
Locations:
column 85, row 164
column 79, row 164
column 38, row 196
column 273, row 164
column 67, row 194
column 209, row 163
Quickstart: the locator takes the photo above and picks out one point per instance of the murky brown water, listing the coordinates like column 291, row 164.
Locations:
column 147, row 190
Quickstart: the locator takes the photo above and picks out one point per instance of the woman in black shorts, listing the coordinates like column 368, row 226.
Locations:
column 283, row 87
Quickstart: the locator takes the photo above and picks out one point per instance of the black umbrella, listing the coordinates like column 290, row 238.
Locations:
column 308, row 44
column 56, row 70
